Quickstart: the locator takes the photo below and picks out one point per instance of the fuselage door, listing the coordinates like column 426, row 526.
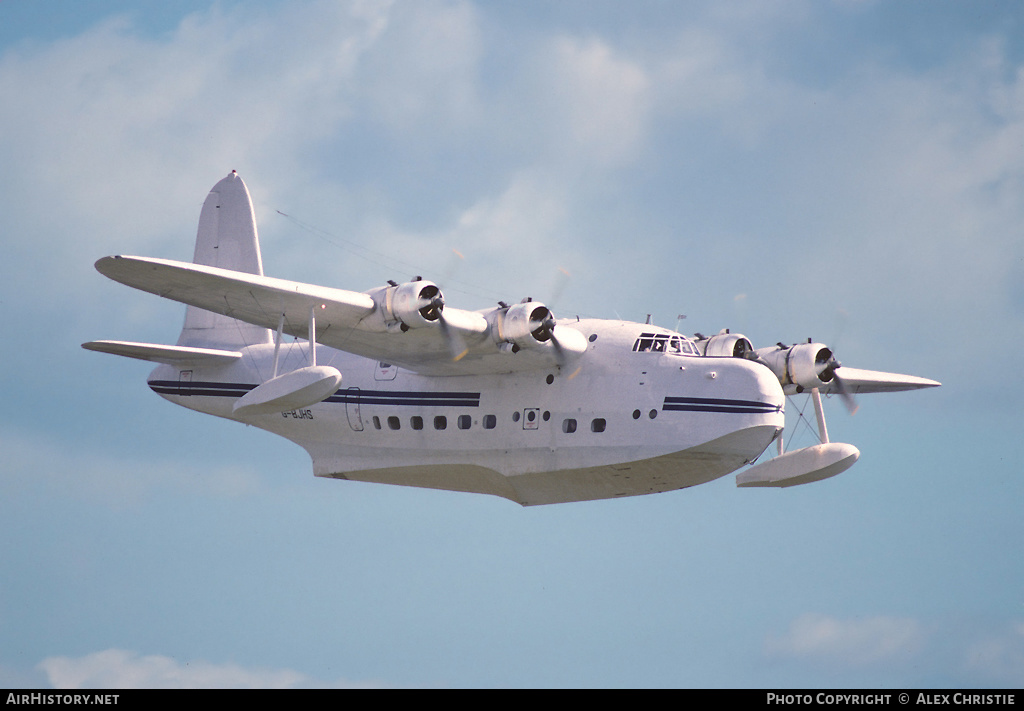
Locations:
column 531, row 418
column 352, row 409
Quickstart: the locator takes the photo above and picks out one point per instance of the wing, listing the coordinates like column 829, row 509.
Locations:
column 855, row 381
column 350, row 321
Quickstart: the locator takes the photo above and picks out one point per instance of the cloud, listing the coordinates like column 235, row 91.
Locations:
column 120, row 669
column 599, row 98
column 113, row 125
column 856, row 642
column 420, row 77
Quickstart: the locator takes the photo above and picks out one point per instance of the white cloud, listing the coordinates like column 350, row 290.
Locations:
column 120, row 669
column 852, row 642
column 598, row 98
column 421, row 77
column 111, row 128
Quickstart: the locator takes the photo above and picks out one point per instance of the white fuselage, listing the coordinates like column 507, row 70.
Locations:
column 617, row 422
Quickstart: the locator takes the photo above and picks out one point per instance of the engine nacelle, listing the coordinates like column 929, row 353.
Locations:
column 726, row 344
column 524, row 325
column 415, row 304
column 803, row 366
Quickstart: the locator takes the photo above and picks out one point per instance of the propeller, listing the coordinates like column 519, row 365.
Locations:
column 542, row 326
column 431, row 307
column 430, row 303
column 829, row 372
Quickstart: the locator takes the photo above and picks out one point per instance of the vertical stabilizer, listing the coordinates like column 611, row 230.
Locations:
column 227, row 239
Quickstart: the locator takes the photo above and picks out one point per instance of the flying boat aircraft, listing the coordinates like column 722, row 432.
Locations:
column 394, row 386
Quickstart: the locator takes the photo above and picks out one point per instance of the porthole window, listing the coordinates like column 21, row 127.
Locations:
column 598, row 424
column 569, row 426
column 376, row 422
column 394, row 423
column 490, row 422
column 515, row 416
column 636, row 414
column 465, row 422
column 652, row 414
column 440, row 422
column 546, row 415
column 550, row 379
column 593, row 337
column 417, row 422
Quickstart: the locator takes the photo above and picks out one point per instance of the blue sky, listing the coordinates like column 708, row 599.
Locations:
column 850, row 171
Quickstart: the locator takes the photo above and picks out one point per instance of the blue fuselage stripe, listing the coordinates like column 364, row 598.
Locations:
column 362, row 397
column 443, row 399
column 698, row 404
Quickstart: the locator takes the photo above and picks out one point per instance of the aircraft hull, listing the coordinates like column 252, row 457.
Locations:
column 625, row 424
column 678, row 470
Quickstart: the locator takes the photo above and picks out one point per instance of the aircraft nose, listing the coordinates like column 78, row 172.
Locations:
column 758, row 385
column 767, row 384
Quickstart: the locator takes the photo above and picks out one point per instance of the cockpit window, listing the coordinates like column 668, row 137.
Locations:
column 664, row 343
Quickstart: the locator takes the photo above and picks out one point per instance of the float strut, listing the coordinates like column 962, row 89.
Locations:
column 312, row 335
column 820, row 413
column 277, row 343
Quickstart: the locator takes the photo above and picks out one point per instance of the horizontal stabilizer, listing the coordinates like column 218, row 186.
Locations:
column 801, row 466
column 291, row 391
column 170, row 355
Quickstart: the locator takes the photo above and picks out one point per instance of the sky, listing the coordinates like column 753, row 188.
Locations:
column 850, row 171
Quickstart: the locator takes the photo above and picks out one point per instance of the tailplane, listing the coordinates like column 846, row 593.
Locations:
column 227, row 239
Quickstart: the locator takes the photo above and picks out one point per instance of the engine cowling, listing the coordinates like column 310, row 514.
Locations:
column 803, row 366
column 415, row 304
column 526, row 325
column 726, row 344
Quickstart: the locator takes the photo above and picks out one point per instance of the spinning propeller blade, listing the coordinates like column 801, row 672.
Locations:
column 431, row 306
column 830, row 372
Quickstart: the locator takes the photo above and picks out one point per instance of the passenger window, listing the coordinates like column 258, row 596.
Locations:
column 569, row 426
column 417, row 422
column 376, row 422
column 490, row 422
column 598, row 425
column 465, row 422
column 440, row 422
column 394, row 423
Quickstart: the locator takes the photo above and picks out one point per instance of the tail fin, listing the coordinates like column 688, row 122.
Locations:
column 227, row 239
